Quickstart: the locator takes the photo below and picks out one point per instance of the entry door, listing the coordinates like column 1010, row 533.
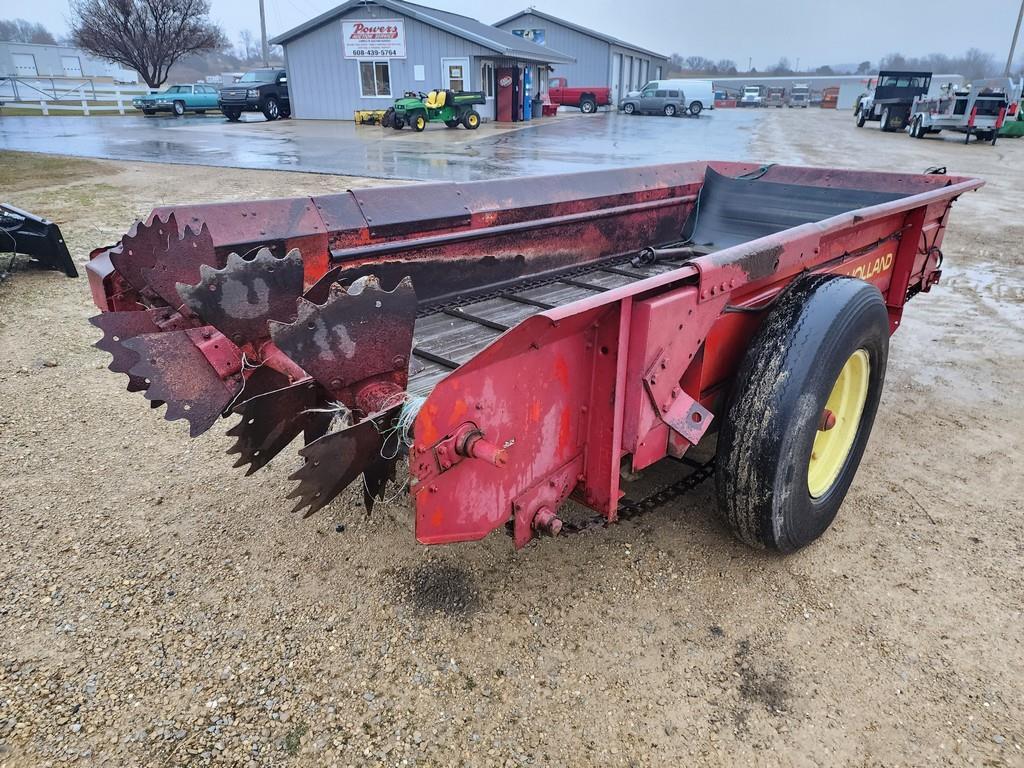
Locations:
column 455, row 74
column 506, row 80
column 487, row 86
column 72, row 66
column 616, row 77
column 24, row 64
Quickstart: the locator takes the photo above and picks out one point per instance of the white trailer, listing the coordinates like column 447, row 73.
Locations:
column 978, row 110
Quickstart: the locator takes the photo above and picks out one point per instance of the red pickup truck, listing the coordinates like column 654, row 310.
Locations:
column 587, row 99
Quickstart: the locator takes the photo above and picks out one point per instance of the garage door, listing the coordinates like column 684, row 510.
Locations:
column 72, row 66
column 24, row 64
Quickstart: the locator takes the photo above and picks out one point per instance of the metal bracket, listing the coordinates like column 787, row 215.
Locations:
column 466, row 442
column 535, row 509
column 687, row 417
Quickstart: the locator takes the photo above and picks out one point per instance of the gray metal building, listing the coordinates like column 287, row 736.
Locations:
column 365, row 53
column 31, row 60
column 600, row 59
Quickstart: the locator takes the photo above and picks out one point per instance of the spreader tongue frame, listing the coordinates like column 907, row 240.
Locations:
column 212, row 336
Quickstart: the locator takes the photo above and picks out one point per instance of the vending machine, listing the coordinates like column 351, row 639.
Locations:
column 527, row 95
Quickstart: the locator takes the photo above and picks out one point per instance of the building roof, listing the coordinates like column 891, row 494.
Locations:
column 484, row 35
column 582, row 30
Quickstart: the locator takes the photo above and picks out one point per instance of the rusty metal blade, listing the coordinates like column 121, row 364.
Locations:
column 180, row 262
column 333, row 462
column 357, row 333
column 320, row 291
column 141, row 248
column 259, row 381
column 272, row 420
column 241, row 298
column 179, row 374
column 376, row 478
column 117, row 328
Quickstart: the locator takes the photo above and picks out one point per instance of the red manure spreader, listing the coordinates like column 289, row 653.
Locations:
column 523, row 342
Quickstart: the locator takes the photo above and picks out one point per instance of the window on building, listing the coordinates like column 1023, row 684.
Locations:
column 375, row 78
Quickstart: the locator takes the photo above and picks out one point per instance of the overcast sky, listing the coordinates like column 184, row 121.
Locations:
column 815, row 31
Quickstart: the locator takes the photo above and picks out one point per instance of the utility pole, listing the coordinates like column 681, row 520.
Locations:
column 263, row 35
column 1013, row 44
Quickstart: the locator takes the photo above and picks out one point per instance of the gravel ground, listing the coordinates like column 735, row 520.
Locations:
column 157, row 608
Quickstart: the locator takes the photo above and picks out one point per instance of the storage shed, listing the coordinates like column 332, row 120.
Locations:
column 600, row 59
column 31, row 60
column 365, row 53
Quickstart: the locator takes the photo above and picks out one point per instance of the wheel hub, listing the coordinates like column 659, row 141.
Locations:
column 839, row 422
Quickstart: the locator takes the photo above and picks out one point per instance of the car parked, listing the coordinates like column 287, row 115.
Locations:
column 653, row 100
column 261, row 90
column 178, row 99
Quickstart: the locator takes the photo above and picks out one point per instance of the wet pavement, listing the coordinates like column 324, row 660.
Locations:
column 566, row 143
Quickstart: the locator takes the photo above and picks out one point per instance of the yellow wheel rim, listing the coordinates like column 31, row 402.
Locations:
column 420, row 122
column 846, row 404
column 473, row 120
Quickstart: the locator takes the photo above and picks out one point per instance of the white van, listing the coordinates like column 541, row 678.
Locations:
column 700, row 94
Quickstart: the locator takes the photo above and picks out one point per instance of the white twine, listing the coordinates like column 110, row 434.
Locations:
column 402, row 426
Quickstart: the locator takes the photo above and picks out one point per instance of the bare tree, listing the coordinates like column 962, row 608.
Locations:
column 863, row 68
column 21, row 31
column 248, row 48
column 147, row 35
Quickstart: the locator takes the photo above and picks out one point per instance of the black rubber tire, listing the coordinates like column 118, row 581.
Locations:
column 696, row 108
column 588, row 106
column 778, row 396
column 472, row 120
column 419, row 122
column 232, row 115
column 452, row 123
column 917, row 129
column 884, row 121
column 271, row 109
column 861, row 118
column 398, row 124
column 629, row 108
column 178, row 108
column 670, row 110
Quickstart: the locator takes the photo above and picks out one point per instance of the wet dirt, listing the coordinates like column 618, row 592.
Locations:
column 158, row 608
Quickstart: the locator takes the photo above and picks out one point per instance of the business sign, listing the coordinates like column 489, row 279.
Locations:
column 533, row 35
column 374, row 38
column 505, row 82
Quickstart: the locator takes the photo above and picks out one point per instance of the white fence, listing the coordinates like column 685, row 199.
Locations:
column 53, row 95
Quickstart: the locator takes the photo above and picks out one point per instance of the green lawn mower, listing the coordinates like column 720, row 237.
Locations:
column 453, row 108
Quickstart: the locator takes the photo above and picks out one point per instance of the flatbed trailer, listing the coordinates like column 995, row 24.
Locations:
column 975, row 111
column 519, row 343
